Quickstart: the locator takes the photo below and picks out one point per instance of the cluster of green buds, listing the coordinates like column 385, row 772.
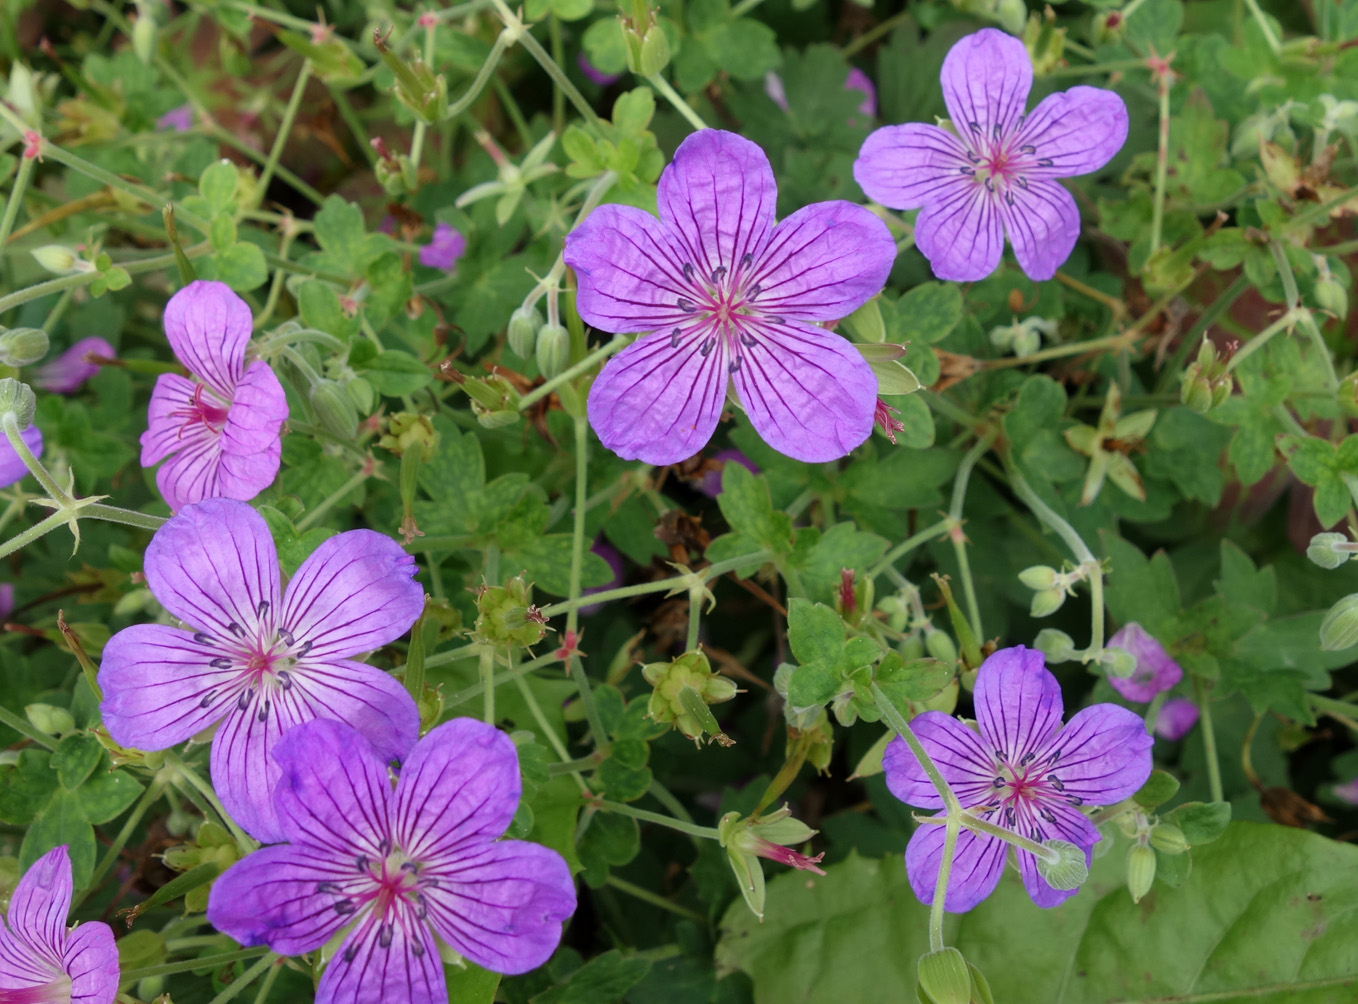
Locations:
column 418, row 87
column 1050, row 587
column 748, row 838
column 1206, row 381
column 648, row 50
column 1107, row 446
column 513, row 181
column 1148, row 836
column 1024, row 337
column 214, row 845
column 407, row 431
column 396, row 172
column 1331, row 292
column 946, row 977
column 22, row 346
column 682, row 691
column 495, row 402
column 506, row 615
column 1045, row 42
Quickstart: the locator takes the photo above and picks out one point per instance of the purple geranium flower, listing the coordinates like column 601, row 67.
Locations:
column 257, row 659
column 41, row 960
column 12, row 468
column 444, row 248
column 1176, row 718
column 1023, row 771
column 402, row 866
column 727, row 296
column 67, row 372
column 1155, row 671
column 177, row 119
column 221, row 429
column 996, row 170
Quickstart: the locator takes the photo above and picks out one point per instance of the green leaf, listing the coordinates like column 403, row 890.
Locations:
column 1140, row 590
column 812, row 683
column 605, row 977
column 396, row 373
column 106, row 794
column 928, row 313
column 918, row 680
column 611, row 839
column 340, row 233
column 26, row 786
column 633, row 111
column 470, row 984
column 241, row 266
column 62, row 821
column 814, row 631
column 217, row 186
column 320, row 308
column 1265, row 915
column 1242, row 585
column 1158, row 789
column 744, row 501
column 75, row 758
column 1202, row 822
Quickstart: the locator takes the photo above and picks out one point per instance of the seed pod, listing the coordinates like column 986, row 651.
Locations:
column 1046, row 602
column 944, row 977
column 1039, row 577
column 56, row 258
column 655, row 52
column 1323, row 550
column 1168, row 839
column 553, row 350
column 523, row 331
column 1339, row 629
column 1140, row 871
column 334, row 409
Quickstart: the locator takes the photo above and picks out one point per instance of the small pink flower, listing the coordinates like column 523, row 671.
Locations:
column 177, row 119
column 1155, row 671
column 68, row 372
column 444, row 249
column 1176, row 718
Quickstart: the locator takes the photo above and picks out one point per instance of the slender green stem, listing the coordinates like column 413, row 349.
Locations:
column 1114, row 304
column 1095, row 611
column 1304, row 218
column 1189, row 342
column 65, row 282
column 21, row 540
column 505, row 676
column 1323, row 353
column 673, row 97
column 577, row 667
column 127, row 517
column 10, row 423
column 327, row 503
column 558, row 54
column 1094, row 69
column 267, row 984
column 246, row 978
column 549, row 733
column 502, row 42
column 1260, row 340
column 744, row 7
column 22, row 726
column 284, row 128
column 558, row 75
column 16, row 198
column 709, row 573
column 1209, row 740
column 666, row 798
column 1045, row 513
column 873, row 34
column 970, row 821
column 655, row 899
column 1265, row 28
column 486, row 670
column 1120, row 341
column 129, row 976
column 535, row 395
column 959, row 497
column 1161, row 169
column 149, row 797
column 906, row 546
column 692, row 829
column 695, row 614
column 953, row 826
column 897, row 721
column 204, row 789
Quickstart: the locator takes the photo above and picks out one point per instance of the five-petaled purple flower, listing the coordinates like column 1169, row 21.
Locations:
column 256, row 659
column 1155, row 671
column 221, row 429
column 444, row 248
column 40, row 960
column 403, row 866
column 727, row 296
column 1020, row 770
column 67, row 372
column 12, row 467
column 997, row 171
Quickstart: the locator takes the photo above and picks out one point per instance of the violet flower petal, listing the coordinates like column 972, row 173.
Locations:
column 243, row 477
column 165, row 431
column 904, row 166
column 807, row 391
column 41, row 900
column 1042, row 228
column 391, row 962
column 718, row 197
column 659, row 399
column 957, row 751
column 158, row 684
column 1018, row 705
column 67, row 372
column 257, row 414
column 1039, row 890
column 12, row 469
column 978, row 862
column 629, row 270
column 986, row 78
column 460, row 786
column 444, row 248
column 194, row 473
column 209, row 326
column 823, row 262
column 213, row 565
column 271, row 898
column 1155, row 671
column 857, row 80
column 1104, row 753
column 502, row 904
column 354, row 593
column 1079, row 130
column 91, row 961
column 333, row 791
column 961, row 232
column 1176, row 718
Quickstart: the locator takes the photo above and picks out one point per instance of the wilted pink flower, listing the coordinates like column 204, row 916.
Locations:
column 67, row 372
column 885, row 417
column 1176, row 718
column 444, row 249
column 1155, row 671
column 179, row 119
column 221, row 429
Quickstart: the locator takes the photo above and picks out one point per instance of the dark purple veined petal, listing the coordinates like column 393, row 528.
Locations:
column 718, row 198
column 257, row 413
column 460, row 786
column 13, row 469
column 1018, row 704
column 1102, row 756
column 389, row 959
column 160, row 687
column 986, row 78
column 659, row 399
column 958, row 753
column 289, row 897
column 961, row 232
column 354, row 593
column 91, row 961
column 194, row 473
column 1043, row 224
column 215, row 568
column 807, row 391
column 1078, row 131
column 242, row 478
column 208, row 327
column 246, row 768
column 21, row 967
column 167, row 430
column 38, row 907
column 502, row 905
column 333, row 793
column 823, row 262
column 978, row 862
column 903, row 166
column 630, row 271
column 1039, row 891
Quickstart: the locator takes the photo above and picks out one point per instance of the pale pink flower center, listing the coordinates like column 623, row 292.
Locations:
column 58, row 991
column 203, row 408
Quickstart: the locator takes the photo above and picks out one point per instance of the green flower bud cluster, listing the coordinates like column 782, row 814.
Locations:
column 1151, row 838
column 213, row 844
column 17, row 399
column 22, row 346
column 1050, row 587
column 408, row 431
column 747, row 839
column 1205, row 382
column 946, row 977
column 1023, row 338
column 417, row 86
column 513, row 181
column 495, row 402
column 682, row 691
column 648, row 50
column 506, row 615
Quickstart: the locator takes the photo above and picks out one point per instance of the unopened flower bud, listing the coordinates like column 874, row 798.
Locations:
column 1324, row 550
column 1106, row 27
column 1196, row 391
column 1056, row 646
column 1168, row 839
column 523, row 331
column 1140, row 871
column 655, row 52
column 1039, row 577
column 22, row 346
column 1339, row 629
column 682, row 690
column 944, row 977
column 940, row 645
column 1221, row 390
column 553, row 350
column 1332, row 296
column 50, row 719
column 1046, row 602
column 57, row 259
column 1011, row 14
column 1348, row 395
column 334, row 409
column 750, row 838
column 1117, row 662
column 497, row 419
column 17, row 398
column 507, row 615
